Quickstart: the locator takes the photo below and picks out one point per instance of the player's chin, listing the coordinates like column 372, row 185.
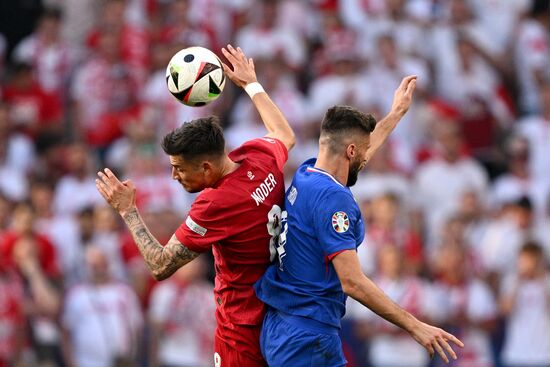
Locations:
column 191, row 189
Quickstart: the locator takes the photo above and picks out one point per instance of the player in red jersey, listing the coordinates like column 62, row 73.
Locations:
column 237, row 213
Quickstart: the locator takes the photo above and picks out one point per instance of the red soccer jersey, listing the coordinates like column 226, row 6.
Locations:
column 237, row 218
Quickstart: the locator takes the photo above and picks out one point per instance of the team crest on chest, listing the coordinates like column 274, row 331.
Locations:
column 340, row 222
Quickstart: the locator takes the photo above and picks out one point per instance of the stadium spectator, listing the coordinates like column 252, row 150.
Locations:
column 388, row 226
column 102, row 320
column 181, row 319
column 47, row 53
column 407, row 290
column 525, row 301
column 263, row 38
column 518, row 181
column 75, row 190
column 32, row 109
column 12, row 317
column 532, row 55
column 466, row 305
column 456, row 173
column 535, row 128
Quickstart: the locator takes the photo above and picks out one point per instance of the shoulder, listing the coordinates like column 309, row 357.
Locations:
column 263, row 145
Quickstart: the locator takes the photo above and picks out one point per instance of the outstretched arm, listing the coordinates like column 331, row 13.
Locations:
column 163, row 261
column 243, row 75
column 358, row 286
column 401, row 102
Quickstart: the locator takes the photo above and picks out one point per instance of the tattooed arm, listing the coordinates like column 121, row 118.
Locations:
column 163, row 261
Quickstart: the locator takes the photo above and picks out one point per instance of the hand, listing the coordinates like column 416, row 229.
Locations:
column 402, row 97
column 243, row 72
column 120, row 195
column 435, row 340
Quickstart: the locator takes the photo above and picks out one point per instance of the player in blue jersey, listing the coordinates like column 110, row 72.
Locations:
column 317, row 262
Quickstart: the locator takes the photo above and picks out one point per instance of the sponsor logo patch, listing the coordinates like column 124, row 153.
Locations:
column 340, row 222
column 292, row 195
column 192, row 225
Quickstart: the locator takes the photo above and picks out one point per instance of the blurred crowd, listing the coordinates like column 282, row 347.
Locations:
column 456, row 204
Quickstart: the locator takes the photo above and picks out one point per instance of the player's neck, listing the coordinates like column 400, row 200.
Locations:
column 334, row 165
column 228, row 166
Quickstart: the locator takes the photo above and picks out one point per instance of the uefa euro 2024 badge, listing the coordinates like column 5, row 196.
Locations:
column 340, row 222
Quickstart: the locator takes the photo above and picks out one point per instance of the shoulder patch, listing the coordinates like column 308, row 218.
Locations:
column 340, row 222
column 192, row 225
column 269, row 140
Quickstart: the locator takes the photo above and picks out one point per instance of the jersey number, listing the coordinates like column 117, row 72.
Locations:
column 276, row 219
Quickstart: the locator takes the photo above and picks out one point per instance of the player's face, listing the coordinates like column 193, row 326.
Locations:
column 358, row 161
column 189, row 174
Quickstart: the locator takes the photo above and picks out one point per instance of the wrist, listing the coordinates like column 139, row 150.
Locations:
column 124, row 213
column 253, row 88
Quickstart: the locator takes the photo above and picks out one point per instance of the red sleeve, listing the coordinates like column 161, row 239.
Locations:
column 278, row 149
column 266, row 146
column 205, row 225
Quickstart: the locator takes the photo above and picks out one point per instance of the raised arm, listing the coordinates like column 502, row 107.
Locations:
column 243, row 75
column 402, row 100
column 356, row 285
column 163, row 261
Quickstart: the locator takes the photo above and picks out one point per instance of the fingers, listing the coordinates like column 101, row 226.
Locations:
column 234, row 55
column 447, row 348
column 227, row 70
column 454, row 339
column 410, row 87
column 229, row 56
column 406, row 80
column 102, row 189
column 430, row 350
column 440, row 351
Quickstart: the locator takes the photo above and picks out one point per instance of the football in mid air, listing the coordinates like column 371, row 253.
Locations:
column 195, row 76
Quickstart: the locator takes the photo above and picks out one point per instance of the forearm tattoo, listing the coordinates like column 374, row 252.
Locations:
column 163, row 261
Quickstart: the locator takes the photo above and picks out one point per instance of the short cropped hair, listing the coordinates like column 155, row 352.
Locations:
column 196, row 139
column 343, row 121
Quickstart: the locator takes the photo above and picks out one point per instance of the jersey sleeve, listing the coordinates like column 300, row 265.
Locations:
column 334, row 221
column 270, row 146
column 204, row 226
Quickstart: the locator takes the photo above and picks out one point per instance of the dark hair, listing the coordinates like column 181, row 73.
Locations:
column 52, row 13
column 539, row 7
column 532, row 248
column 524, row 203
column 196, row 139
column 343, row 121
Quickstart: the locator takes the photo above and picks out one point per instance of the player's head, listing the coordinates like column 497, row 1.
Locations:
column 196, row 151
column 345, row 132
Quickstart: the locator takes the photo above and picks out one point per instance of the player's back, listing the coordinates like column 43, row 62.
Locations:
column 304, row 282
column 234, row 219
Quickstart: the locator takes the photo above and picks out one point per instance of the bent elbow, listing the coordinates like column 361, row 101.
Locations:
column 292, row 140
column 160, row 274
column 349, row 287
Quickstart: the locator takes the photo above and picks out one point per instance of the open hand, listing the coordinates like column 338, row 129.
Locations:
column 402, row 97
column 435, row 340
column 120, row 195
column 243, row 72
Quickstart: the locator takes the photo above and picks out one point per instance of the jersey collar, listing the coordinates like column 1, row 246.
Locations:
column 310, row 168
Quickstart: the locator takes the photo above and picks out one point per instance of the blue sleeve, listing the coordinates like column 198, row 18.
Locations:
column 334, row 219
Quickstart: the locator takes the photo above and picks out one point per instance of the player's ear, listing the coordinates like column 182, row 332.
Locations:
column 351, row 151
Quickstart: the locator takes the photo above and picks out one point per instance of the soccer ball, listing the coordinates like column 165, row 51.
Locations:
column 195, row 76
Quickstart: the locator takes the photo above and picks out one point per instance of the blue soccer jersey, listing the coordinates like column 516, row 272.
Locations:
column 321, row 220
